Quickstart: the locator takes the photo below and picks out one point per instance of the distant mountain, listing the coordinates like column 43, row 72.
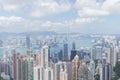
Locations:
column 34, row 33
column 39, row 33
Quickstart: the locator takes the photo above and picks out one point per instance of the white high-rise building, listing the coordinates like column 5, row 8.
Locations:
column 105, row 71
column 66, row 69
column 108, row 52
column 38, row 73
column 63, row 75
column 57, row 71
column 48, row 74
column 96, row 53
column 112, row 55
column 45, row 56
column 116, row 51
column 91, row 70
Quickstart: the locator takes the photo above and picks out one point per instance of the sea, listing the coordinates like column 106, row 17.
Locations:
column 81, row 42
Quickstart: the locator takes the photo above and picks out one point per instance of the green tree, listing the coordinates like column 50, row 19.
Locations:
column 1, row 78
column 115, row 78
column 97, row 77
column 116, row 69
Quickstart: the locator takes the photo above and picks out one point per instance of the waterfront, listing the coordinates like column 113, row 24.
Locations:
column 81, row 42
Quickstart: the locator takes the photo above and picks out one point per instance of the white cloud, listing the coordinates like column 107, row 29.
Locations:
column 47, row 7
column 85, row 20
column 39, row 8
column 7, row 21
column 87, row 12
column 113, row 6
column 10, row 7
column 92, row 8
column 19, row 24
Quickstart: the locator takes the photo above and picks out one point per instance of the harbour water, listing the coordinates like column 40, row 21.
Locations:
column 81, row 42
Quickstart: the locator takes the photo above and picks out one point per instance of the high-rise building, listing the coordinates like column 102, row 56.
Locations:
column 45, row 56
column 97, row 52
column 28, row 42
column 75, row 67
column 7, row 68
column 91, row 68
column 65, row 53
column 41, row 73
column 56, row 70
column 1, row 43
column 38, row 60
column 63, row 75
column 107, row 69
column 30, row 65
column 105, row 72
column 112, row 55
column 109, row 55
column 15, row 64
column 23, row 67
column 38, row 73
column 48, row 74
column 60, row 55
column 73, row 46
column 83, row 72
column 43, row 68
column 73, row 52
column 63, row 68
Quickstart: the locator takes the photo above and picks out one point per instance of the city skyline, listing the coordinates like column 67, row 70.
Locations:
column 59, row 40
column 82, row 16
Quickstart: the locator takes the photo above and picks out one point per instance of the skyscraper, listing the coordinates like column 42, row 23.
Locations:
column 65, row 53
column 48, row 74
column 23, row 67
column 15, row 67
column 73, row 52
column 105, row 71
column 73, row 46
column 96, row 52
column 28, row 42
column 38, row 73
column 45, row 56
column 30, row 65
column 91, row 68
column 57, row 71
column 83, row 72
column 63, row 75
column 1, row 43
column 75, row 67
column 38, row 60
column 63, row 69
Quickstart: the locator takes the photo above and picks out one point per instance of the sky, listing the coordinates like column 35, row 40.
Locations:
column 83, row 16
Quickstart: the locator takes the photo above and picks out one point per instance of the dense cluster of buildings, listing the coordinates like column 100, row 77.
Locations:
column 95, row 63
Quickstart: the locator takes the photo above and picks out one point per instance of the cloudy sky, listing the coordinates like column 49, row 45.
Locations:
column 83, row 16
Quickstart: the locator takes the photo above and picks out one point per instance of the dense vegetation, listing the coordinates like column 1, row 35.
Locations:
column 1, row 78
column 97, row 77
column 117, row 71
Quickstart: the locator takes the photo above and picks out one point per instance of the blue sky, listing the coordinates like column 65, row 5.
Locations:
column 83, row 16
